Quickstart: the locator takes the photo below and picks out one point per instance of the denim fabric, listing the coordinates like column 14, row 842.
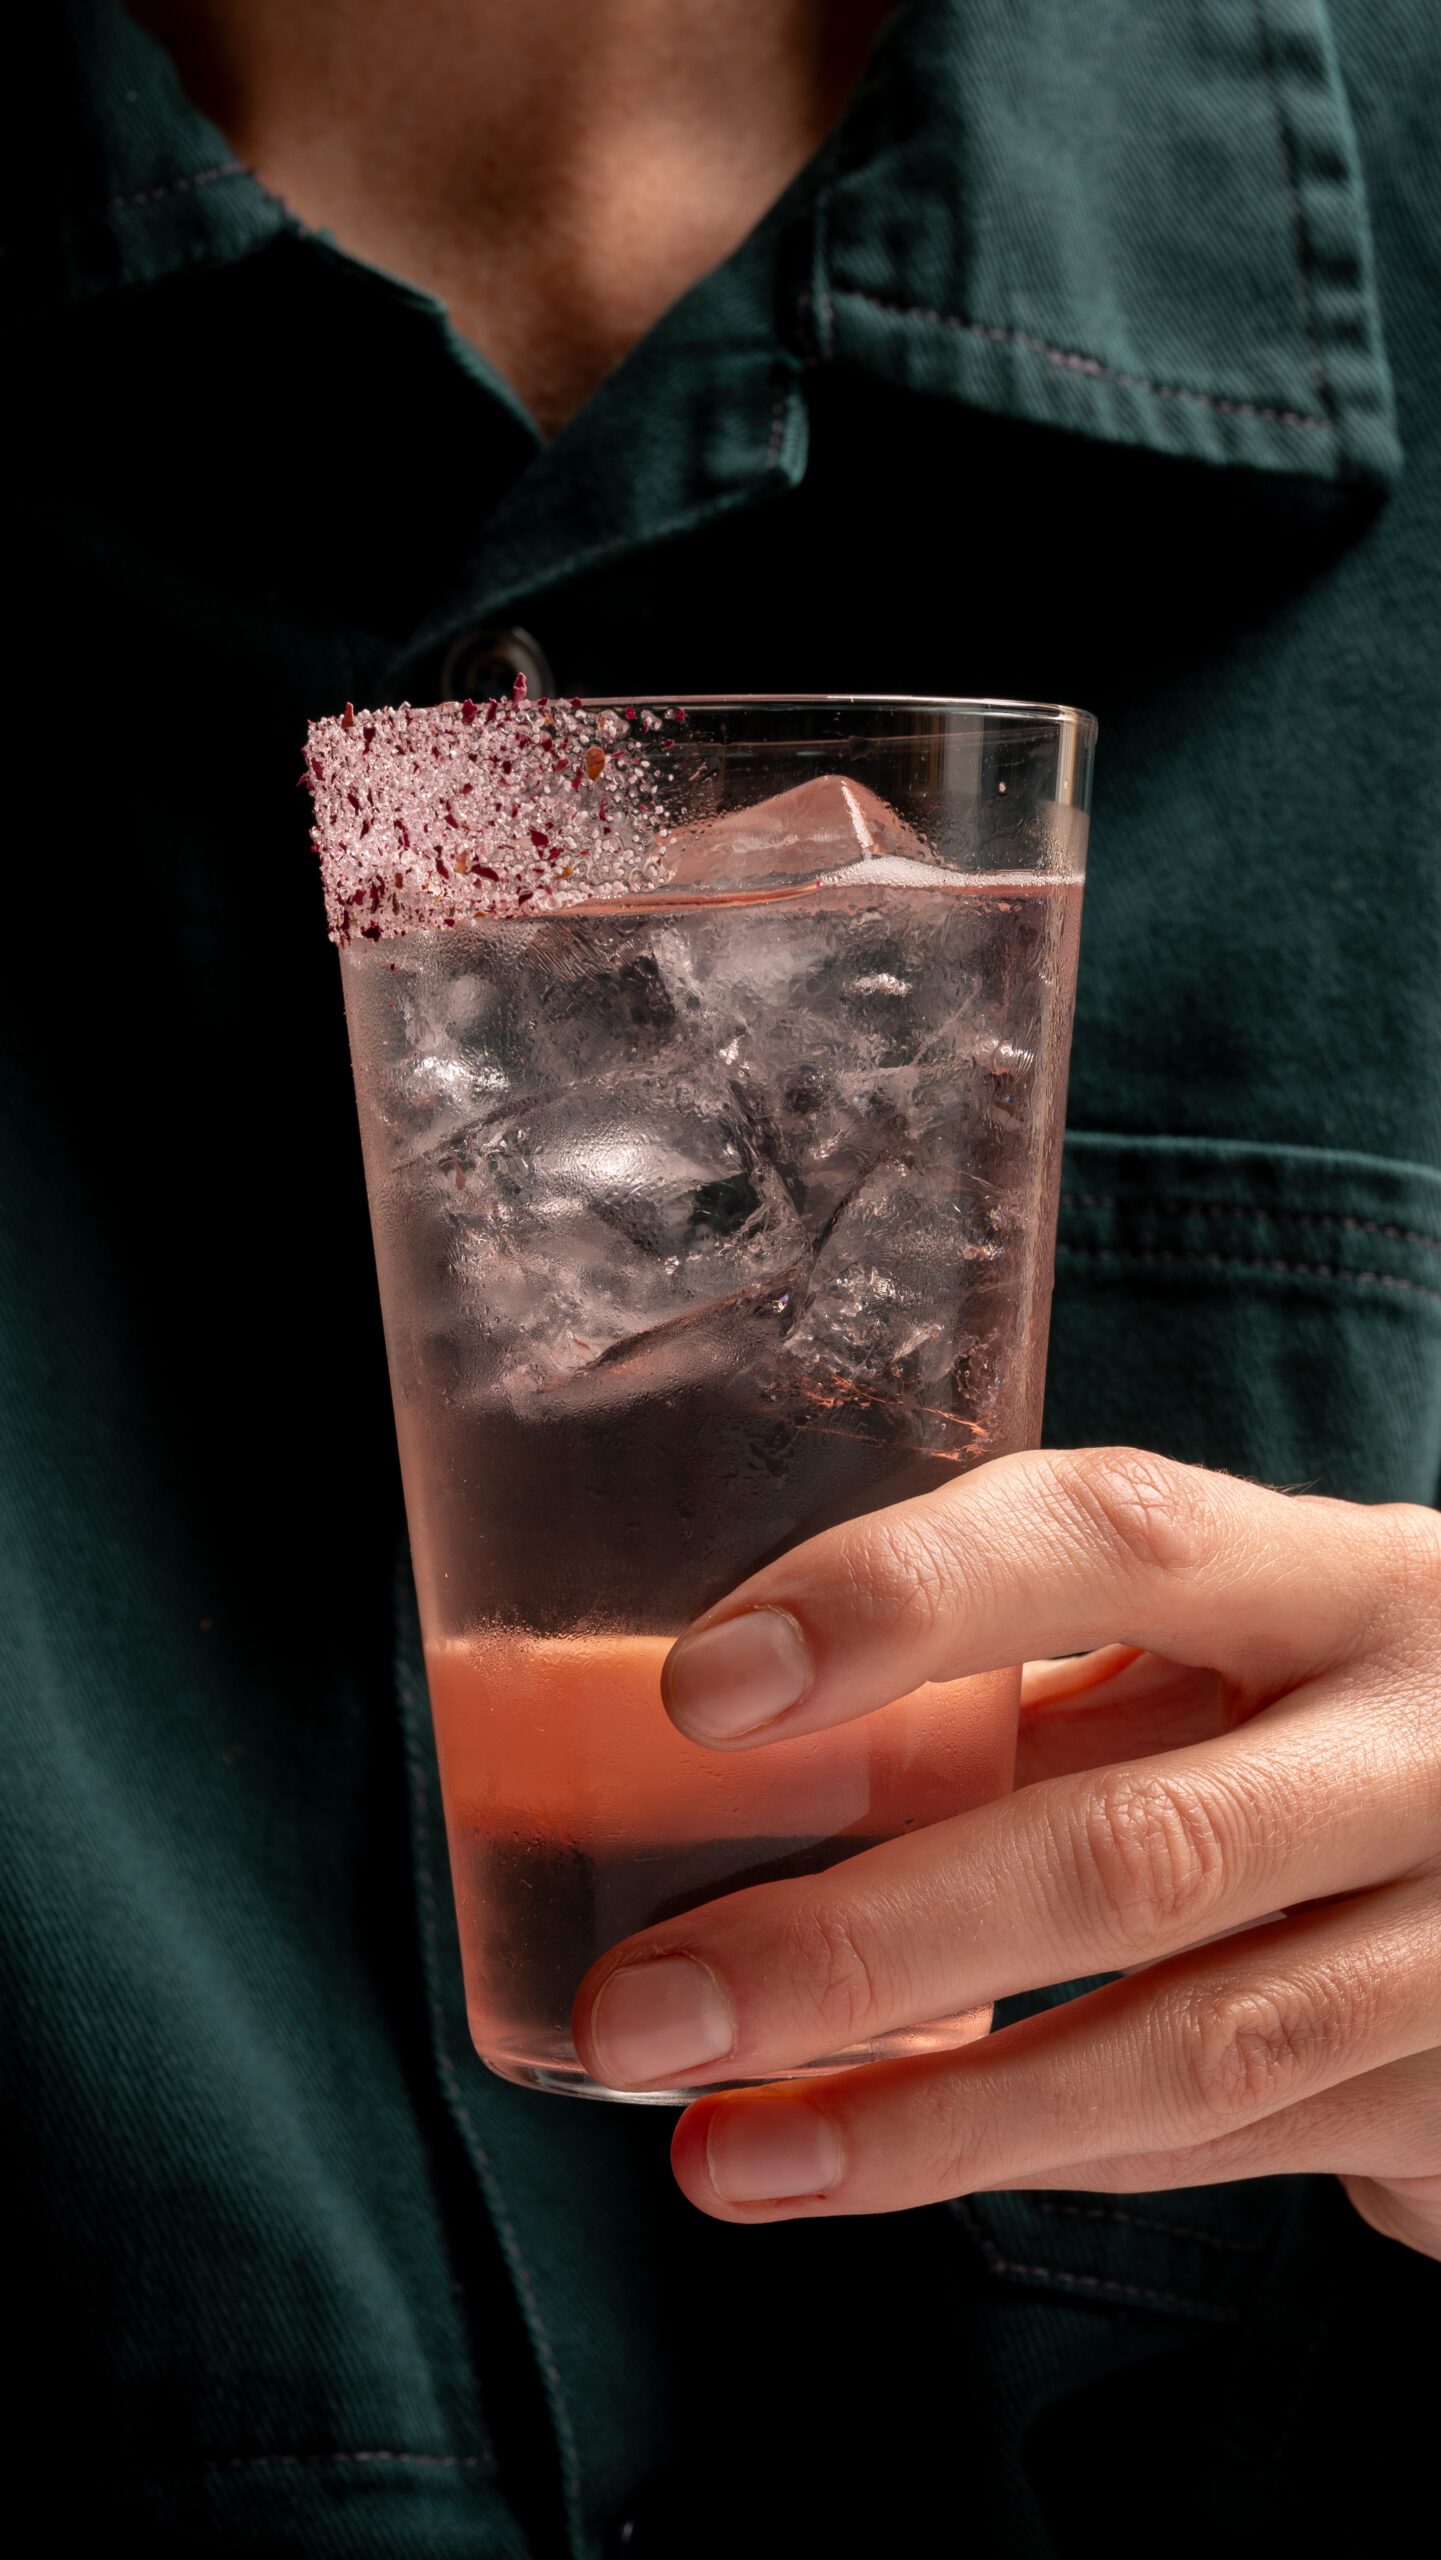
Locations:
column 1281, row 1306
column 1097, row 357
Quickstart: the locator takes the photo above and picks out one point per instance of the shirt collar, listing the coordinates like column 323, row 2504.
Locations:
column 1141, row 226
column 125, row 182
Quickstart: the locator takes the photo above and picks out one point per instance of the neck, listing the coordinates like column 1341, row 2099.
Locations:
column 557, row 172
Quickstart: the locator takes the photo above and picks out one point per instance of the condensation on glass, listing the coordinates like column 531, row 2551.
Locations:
column 705, row 1219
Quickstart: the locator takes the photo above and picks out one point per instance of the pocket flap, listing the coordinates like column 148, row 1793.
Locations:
column 1275, row 1311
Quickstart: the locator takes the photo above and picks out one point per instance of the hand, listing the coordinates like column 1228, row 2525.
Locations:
column 1261, row 1755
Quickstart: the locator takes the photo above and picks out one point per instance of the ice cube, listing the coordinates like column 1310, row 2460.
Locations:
column 598, row 1002
column 724, row 1341
column 823, row 826
column 426, row 1097
column 597, row 1215
column 437, row 1050
column 905, row 1260
column 546, row 1004
column 884, row 871
column 856, row 1029
column 832, row 1132
column 820, row 986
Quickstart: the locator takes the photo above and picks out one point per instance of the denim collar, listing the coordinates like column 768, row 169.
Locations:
column 1140, row 225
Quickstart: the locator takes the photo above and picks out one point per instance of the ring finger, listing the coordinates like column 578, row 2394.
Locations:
column 1172, row 2059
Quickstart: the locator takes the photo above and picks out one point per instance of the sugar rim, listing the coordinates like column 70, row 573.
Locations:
column 428, row 817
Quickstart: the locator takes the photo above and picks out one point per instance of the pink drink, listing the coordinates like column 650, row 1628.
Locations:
column 577, row 1813
column 703, row 1222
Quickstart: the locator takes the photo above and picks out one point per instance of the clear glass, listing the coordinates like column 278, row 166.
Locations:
column 706, row 1218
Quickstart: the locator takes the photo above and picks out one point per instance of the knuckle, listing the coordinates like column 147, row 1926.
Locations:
column 845, row 1977
column 1148, row 1511
column 1254, row 2047
column 1149, row 1855
column 907, row 1572
column 949, row 2148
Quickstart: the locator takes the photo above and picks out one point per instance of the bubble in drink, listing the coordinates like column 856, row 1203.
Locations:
column 708, row 1214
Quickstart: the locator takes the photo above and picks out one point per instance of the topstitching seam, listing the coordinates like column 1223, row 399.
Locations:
column 1299, row 242
column 779, row 414
column 1146, row 2222
column 176, row 187
column 1000, row 2265
column 1249, row 1262
column 1072, row 362
column 569, row 2448
column 1178, row 1206
column 320, row 2461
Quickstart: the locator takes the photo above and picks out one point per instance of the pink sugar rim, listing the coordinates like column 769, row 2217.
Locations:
column 428, row 818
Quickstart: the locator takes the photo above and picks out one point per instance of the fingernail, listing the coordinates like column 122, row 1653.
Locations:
column 771, row 2148
column 653, row 2020
column 734, row 1678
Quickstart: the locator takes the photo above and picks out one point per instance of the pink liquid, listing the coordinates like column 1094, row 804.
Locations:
column 577, row 1814
column 702, row 1226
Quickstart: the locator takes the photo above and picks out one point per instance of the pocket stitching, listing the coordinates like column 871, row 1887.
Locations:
column 1147, row 2222
column 1179, row 1207
column 1246, row 1262
column 998, row 2264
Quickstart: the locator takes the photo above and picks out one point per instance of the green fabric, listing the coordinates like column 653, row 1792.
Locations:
column 111, row 178
column 1281, row 1306
column 1066, row 371
column 1034, row 247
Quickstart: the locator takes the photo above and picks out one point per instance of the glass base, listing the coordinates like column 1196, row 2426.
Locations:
column 558, row 2072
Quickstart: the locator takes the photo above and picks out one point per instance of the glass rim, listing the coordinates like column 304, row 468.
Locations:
column 1055, row 714
column 438, row 853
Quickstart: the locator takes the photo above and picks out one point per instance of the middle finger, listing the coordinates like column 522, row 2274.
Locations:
column 1091, row 1874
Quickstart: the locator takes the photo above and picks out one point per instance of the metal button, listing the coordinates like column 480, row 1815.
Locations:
column 486, row 662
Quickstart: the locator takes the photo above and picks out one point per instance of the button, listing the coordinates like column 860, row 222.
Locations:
column 483, row 663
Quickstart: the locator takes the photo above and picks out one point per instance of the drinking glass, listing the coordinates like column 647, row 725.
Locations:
column 713, row 1204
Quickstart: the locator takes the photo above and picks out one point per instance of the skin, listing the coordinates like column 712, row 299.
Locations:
column 1260, row 1755
column 557, row 173
column 1257, row 1764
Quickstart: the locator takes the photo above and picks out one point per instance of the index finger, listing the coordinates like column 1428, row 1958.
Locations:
column 1047, row 1552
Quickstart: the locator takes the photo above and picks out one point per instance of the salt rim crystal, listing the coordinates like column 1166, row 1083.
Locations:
column 427, row 818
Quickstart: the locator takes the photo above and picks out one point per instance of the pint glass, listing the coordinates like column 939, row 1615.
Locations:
column 710, row 1061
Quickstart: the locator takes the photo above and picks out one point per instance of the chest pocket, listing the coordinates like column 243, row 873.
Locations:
column 1192, row 2255
column 1273, row 1311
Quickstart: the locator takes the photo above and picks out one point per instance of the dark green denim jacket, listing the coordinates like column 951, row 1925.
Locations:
column 1097, row 357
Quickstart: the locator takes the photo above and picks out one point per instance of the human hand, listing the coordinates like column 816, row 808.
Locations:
column 1260, row 1756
